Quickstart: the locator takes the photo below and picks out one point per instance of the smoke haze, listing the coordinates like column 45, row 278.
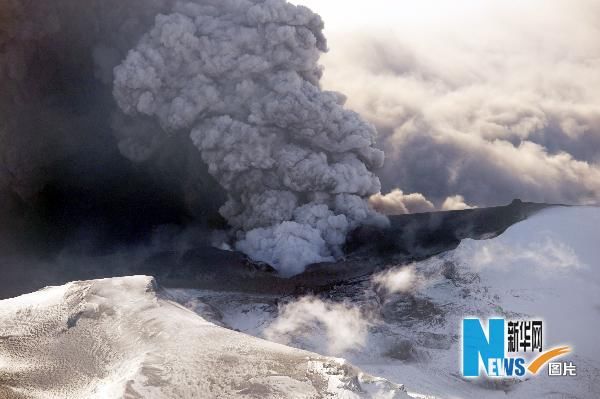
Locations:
column 117, row 118
column 63, row 179
column 491, row 100
column 208, row 92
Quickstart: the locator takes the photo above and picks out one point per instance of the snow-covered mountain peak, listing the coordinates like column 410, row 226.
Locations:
column 122, row 337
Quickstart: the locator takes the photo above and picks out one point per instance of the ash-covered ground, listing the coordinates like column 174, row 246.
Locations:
column 178, row 260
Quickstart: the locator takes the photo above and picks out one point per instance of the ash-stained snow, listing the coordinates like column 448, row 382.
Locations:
column 544, row 267
column 122, row 338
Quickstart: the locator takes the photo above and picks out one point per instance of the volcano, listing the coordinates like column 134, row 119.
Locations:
column 391, row 308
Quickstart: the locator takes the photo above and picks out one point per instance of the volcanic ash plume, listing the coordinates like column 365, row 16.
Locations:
column 243, row 78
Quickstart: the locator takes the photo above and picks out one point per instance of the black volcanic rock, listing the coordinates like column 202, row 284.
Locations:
column 409, row 238
column 425, row 234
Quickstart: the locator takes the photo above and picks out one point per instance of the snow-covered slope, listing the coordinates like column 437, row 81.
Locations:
column 124, row 338
column 121, row 338
column 547, row 266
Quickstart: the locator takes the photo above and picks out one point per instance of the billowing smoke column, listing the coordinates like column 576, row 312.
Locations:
column 242, row 77
column 226, row 88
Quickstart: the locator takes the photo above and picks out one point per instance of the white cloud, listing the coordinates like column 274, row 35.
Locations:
column 466, row 106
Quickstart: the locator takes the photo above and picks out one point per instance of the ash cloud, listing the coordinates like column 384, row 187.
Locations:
column 63, row 180
column 119, row 117
column 242, row 77
column 494, row 103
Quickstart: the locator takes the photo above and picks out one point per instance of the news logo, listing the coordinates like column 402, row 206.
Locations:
column 509, row 349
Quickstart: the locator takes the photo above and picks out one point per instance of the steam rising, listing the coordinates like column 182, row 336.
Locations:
column 398, row 203
column 334, row 327
column 398, row 280
column 242, row 78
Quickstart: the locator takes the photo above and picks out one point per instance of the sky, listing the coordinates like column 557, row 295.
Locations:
column 481, row 100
